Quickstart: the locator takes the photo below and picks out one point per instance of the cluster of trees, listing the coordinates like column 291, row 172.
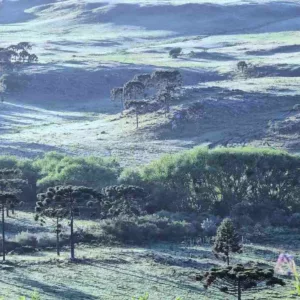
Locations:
column 239, row 279
column 245, row 182
column 249, row 185
column 68, row 202
column 17, row 54
column 10, row 57
column 242, row 66
column 205, row 181
column 144, row 91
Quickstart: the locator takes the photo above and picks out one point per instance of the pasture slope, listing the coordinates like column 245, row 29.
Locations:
column 85, row 48
column 88, row 47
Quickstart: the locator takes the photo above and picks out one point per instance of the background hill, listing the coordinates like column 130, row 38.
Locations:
column 85, row 48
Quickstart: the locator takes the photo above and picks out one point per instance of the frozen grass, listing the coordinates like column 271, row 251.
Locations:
column 118, row 273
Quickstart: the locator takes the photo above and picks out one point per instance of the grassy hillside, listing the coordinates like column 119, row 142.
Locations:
column 84, row 53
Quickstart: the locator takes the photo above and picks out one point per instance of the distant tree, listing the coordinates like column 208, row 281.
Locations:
column 175, row 52
column 238, row 280
column 133, row 90
column 32, row 58
column 227, row 240
column 11, row 186
column 164, row 97
column 117, row 94
column 2, row 90
column 24, row 45
column 145, row 79
column 123, row 200
column 16, row 54
column 242, row 66
column 167, row 81
column 66, row 202
column 24, row 56
column 139, row 106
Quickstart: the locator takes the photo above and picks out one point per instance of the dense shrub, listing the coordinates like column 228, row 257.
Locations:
column 215, row 181
column 175, row 52
column 14, row 82
column 139, row 230
column 26, row 238
column 279, row 218
column 93, row 172
column 294, row 220
column 209, row 227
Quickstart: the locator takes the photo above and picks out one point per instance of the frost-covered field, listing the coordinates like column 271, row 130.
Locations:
column 166, row 271
column 88, row 47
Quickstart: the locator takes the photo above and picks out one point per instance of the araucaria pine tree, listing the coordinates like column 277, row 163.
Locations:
column 66, row 202
column 10, row 187
column 227, row 240
column 238, row 280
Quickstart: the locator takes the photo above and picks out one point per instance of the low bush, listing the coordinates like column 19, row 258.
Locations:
column 294, row 220
column 14, row 82
column 175, row 52
column 149, row 228
column 45, row 240
column 279, row 218
column 209, row 227
column 26, row 238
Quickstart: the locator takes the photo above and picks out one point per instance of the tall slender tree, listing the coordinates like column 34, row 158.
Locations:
column 139, row 106
column 67, row 202
column 11, row 186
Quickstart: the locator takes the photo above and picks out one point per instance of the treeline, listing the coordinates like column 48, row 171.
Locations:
column 246, row 183
column 54, row 169
column 224, row 181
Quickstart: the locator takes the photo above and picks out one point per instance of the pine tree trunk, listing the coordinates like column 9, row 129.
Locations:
column 123, row 104
column 72, row 236
column 227, row 259
column 137, row 119
column 7, row 212
column 239, row 290
column 167, row 108
column 3, row 233
column 57, row 238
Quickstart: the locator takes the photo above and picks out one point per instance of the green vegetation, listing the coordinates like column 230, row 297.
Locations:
column 10, row 187
column 237, row 280
column 66, row 202
column 227, row 240
column 237, row 181
column 175, row 52
column 181, row 197
column 93, row 172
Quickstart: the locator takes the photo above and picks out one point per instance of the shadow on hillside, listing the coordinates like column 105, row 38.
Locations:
column 145, row 276
column 60, row 291
column 197, row 18
column 71, row 89
column 276, row 50
column 280, row 70
column 224, row 117
column 14, row 11
column 14, row 224
column 210, row 56
column 28, row 150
